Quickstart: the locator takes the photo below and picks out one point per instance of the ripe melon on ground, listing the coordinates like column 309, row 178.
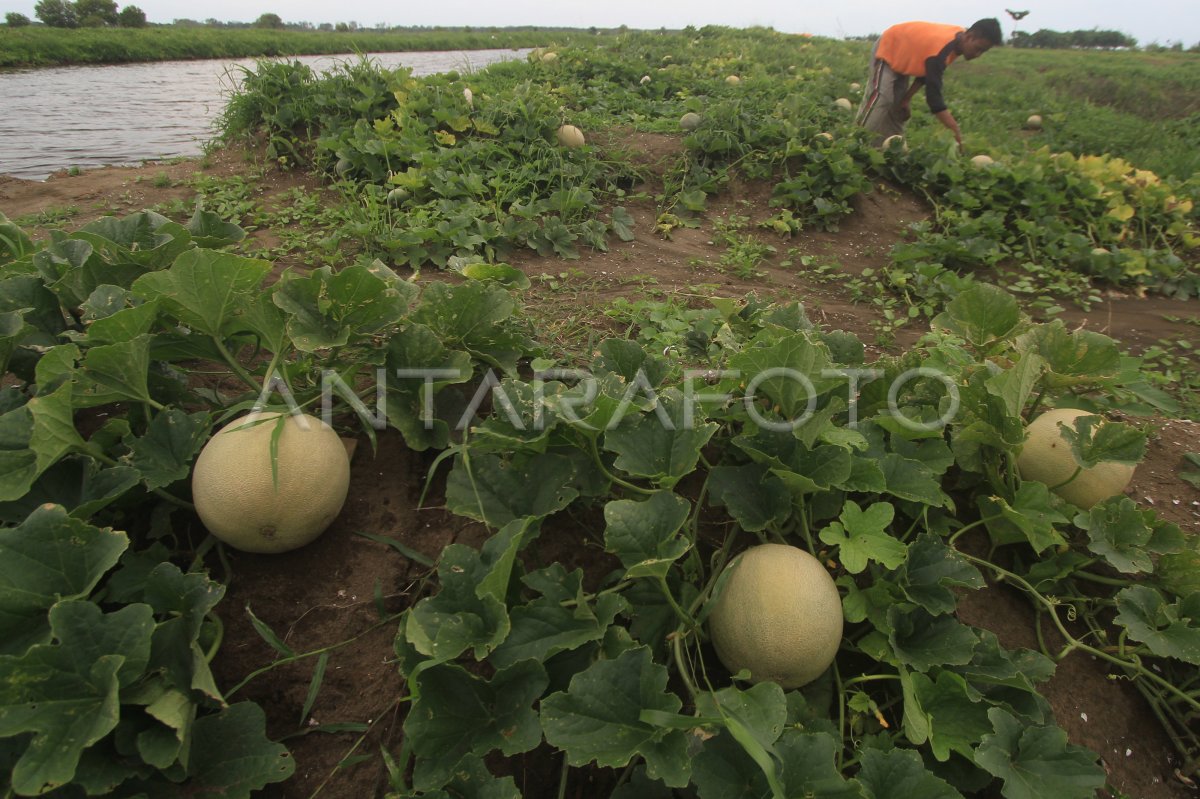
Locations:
column 843, row 103
column 779, row 615
column 570, row 136
column 689, row 121
column 1046, row 458
column 240, row 503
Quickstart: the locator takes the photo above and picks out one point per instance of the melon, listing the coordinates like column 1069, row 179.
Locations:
column 895, row 140
column 549, row 58
column 241, row 504
column 1046, row 457
column 689, row 121
column 982, row 160
column 843, row 103
column 779, row 616
column 468, row 96
column 1034, row 122
column 854, row 87
column 570, row 136
column 826, row 135
column 645, row 79
column 733, row 80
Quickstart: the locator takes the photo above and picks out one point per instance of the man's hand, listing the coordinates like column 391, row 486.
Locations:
column 905, row 110
column 947, row 119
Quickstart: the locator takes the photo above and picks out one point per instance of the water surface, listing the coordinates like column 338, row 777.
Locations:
column 54, row 118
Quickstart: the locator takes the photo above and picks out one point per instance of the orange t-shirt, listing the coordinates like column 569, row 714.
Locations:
column 905, row 47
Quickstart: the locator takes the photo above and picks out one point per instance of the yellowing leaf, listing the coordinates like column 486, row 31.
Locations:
column 445, row 137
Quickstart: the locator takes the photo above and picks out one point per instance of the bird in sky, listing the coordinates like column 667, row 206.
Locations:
column 1017, row 15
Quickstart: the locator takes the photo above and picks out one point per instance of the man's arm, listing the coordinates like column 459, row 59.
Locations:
column 935, row 69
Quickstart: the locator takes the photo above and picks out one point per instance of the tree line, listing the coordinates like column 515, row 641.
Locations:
column 81, row 14
column 1080, row 40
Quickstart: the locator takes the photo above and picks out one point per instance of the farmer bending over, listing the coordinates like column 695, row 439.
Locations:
column 919, row 50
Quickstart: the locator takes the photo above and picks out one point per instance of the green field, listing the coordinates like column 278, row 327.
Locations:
column 555, row 510
column 34, row 46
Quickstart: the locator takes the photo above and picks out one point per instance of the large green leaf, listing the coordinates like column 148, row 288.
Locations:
column 930, row 571
column 231, row 756
column 418, row 367
column 924, row 641
column 861, row 537
column 810, row 766
column 1072, row 356
column 644, row 534
column 1127, row 536
column 983, row 315
column 210, row 231
column 122, row 369
column 78, row 483
column 48, row 557
column 560, row 620
column 901, row 774
column 1093, row 441
column 754, row 497
column 476, row 317
column 1168, row 630
column 458, row 618
column 144, row 238
column 497, row 491
column 330, row 309
column 1031, row 517
column 18, row 463
column 457, row 713
column 14, row 242
column 164, row 453
column 1036, row 762
column 599, row 718
column 660, row 445
column 787, row 375
column 943, row 713
column 206, row 290
column 67, row 693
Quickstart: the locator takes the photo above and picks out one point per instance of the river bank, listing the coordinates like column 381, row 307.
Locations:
column 38, row 46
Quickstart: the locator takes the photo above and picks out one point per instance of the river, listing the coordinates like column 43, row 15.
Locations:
column 55, row 118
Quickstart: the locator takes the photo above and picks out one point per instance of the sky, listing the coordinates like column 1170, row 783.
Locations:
column 1161, row 21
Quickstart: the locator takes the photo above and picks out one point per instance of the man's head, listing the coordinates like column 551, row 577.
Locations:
column 981, row 37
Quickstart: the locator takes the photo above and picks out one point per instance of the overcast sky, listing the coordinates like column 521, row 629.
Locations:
column 1148, row 21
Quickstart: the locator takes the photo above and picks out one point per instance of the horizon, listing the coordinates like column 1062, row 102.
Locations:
column 1164, row 23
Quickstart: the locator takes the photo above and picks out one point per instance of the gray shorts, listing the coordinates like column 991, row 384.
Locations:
column 880, row 110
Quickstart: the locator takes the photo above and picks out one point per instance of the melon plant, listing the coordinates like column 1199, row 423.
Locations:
column 779, row 616
column 689, row 121
column 255, row 505
column 570, row 136
column 1046, row 457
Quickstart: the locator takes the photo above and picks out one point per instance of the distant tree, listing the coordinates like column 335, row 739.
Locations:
column 56, row 13
column 269, row 21
column 15, row 20
column 96, row 13
column 325, row 26
column 131, row 17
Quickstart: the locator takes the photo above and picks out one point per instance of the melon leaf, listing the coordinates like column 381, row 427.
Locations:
column 1036, row 762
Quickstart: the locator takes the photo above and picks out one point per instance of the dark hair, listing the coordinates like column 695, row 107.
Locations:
column 988, row 29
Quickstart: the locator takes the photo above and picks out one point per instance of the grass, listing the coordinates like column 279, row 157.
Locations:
column 43, row 46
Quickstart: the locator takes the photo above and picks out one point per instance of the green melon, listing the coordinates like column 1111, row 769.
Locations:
column 240, row 503
column 778, row 615
column 1046, row 457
